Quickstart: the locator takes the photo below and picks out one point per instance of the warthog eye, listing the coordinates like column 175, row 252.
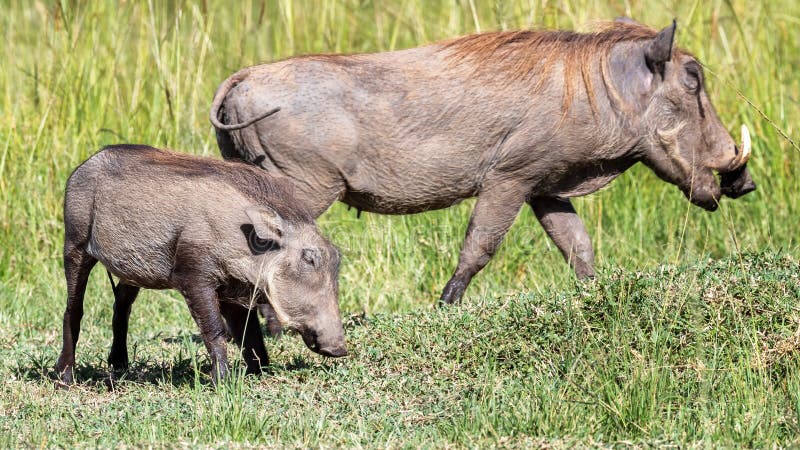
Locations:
column 693, row 82
column 257, row 245
column 311, row 256
column 693, row 79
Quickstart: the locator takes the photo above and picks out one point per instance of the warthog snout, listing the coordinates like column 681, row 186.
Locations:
column 334, row 347
column 737, row 183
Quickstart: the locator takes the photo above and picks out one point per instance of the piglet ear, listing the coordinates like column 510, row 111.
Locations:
column 659, row 51
column 267, row 223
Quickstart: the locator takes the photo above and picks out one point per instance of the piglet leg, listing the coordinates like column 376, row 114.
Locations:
column 77, row 266
column 246, row 330
column 203, row 303
column 118, row 356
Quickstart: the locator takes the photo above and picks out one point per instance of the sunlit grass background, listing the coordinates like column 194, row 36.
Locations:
column 75, row 76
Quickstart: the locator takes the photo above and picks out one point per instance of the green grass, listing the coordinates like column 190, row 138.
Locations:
column 689, row 335
column 703, row 356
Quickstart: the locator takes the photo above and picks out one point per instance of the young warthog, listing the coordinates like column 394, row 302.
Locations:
column 518, row 117
column 226, row 235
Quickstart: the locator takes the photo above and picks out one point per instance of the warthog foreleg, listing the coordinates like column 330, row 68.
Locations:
column 494, row 212
column 246, row 331
column 203, row 303
column 274, row 327
column 566, row 229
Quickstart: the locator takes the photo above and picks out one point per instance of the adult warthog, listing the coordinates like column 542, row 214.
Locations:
column 509, row 117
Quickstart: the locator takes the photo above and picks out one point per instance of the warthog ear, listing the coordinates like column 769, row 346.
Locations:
column 659, row 52
column 267, row 223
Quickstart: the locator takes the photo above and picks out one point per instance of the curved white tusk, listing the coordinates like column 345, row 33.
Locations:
column 745, row 155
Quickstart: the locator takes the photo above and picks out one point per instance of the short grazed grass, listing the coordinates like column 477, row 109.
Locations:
column 688, row 336
column 704, row 355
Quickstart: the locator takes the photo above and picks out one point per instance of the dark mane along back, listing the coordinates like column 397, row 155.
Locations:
column 533, row 53
column 259, row 185
column 250, row 180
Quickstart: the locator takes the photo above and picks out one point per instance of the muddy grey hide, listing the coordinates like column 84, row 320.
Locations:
column 534, row 117
column 226, row 235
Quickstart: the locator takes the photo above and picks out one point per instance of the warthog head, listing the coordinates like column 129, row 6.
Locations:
column 685, row 140
column 297, row 269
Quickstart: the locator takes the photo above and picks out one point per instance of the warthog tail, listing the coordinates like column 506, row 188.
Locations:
column 219, row 97
column 114, row 286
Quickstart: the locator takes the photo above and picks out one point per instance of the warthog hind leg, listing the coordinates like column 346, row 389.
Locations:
column 77, row 266
column 566, row 229
column 494, row 212
column 125, row 295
